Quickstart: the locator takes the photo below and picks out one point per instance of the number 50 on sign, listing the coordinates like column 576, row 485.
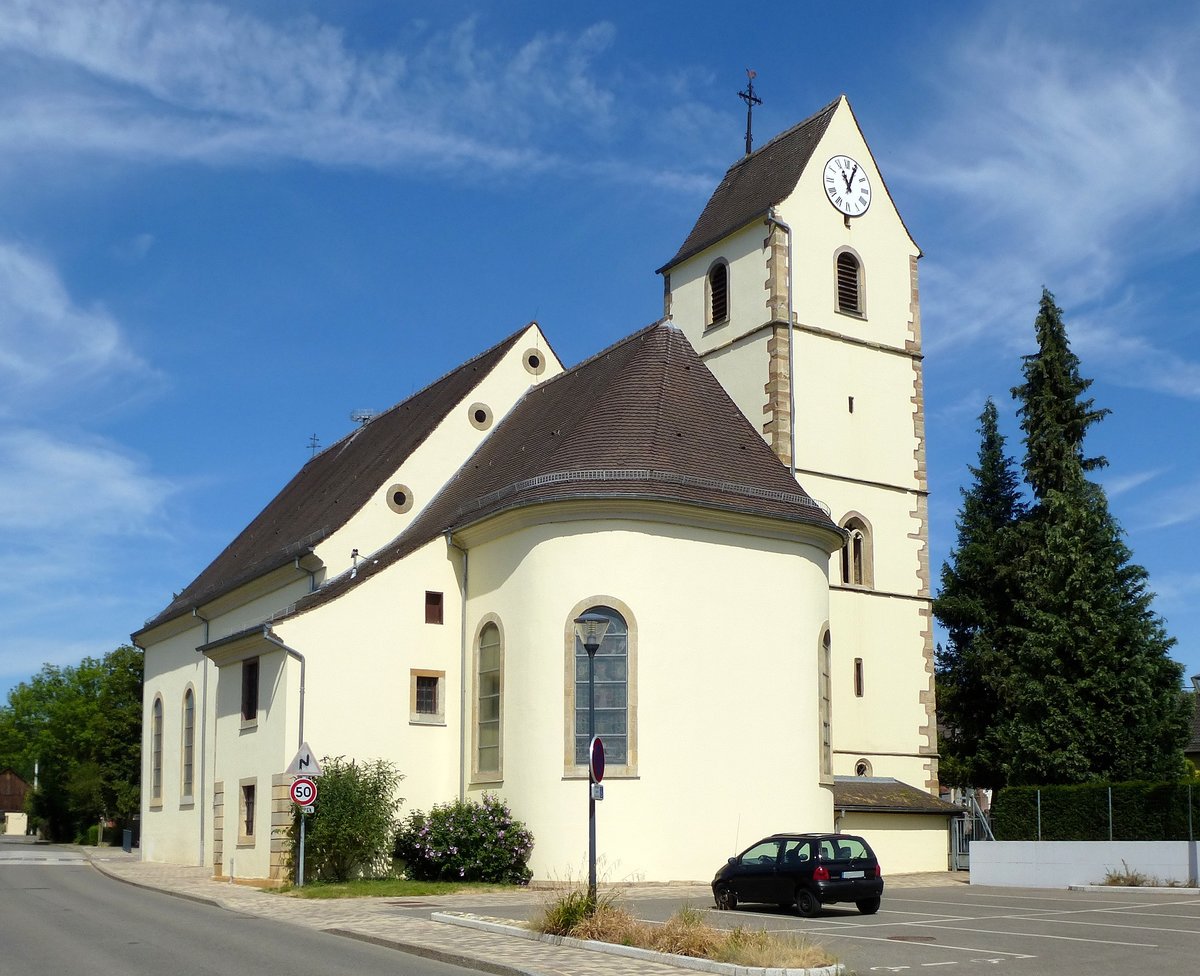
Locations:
column 303, row 791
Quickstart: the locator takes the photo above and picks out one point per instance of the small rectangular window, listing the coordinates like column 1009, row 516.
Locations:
column 248, row 800
column 858, row 677
column 250, row 690
column 427, row 697
column 433, row 607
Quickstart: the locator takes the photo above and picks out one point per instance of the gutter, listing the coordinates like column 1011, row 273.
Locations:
column 462, row 667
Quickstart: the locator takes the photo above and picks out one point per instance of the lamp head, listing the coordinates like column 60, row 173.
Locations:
column 590, row 628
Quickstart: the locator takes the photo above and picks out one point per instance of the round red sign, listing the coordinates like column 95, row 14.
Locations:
column 597, row 759
column 304, row 791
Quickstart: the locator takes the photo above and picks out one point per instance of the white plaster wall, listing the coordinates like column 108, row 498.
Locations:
column 905, row 843
column 359, row 651
column 727, row 718
column 257, row 753
column 441, row 454
column 1057, row 864
column 170, row 831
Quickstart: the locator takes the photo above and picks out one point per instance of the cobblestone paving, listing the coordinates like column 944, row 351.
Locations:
column 380, row 920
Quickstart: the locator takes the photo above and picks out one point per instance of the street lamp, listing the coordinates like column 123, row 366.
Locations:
column 590, row 629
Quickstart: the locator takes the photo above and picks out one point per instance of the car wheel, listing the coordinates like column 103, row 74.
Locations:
column 726, row 898
column 868, row 906
column 807, row 903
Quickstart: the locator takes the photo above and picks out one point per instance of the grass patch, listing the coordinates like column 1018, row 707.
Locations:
column 686, row 933
column 389, row 888
column 1126, row 877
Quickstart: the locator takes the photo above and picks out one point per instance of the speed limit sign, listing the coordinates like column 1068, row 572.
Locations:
column 304, row 791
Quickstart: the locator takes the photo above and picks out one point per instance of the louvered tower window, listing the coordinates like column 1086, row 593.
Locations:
column 718, row 293
column 849, row 284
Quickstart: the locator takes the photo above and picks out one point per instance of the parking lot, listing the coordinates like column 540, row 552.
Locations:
column 961, row 928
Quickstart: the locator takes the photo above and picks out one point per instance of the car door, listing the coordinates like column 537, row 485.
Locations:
column 794, row 866
column 753, row 876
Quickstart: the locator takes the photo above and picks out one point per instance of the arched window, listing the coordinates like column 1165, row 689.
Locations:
column 489, row 703
column 189, row 742
column 156, row 745
column 862, row 768
column 857, row 553
column 718, row 293
column 849, row 283
column 613, row 679
column 825, row 703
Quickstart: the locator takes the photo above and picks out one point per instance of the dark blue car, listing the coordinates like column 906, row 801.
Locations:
column 802, row 870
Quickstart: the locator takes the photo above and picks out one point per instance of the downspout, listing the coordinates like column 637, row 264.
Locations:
column 312, row 575
column 291, row 652
column 772, row 219
column 203, row 733
column 462, row 668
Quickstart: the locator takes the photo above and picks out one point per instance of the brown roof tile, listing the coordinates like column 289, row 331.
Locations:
column 755, row 184
column 643, row 419
column 334, row 485
column 881, row 795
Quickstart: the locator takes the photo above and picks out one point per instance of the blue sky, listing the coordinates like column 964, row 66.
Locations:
column 223, row 228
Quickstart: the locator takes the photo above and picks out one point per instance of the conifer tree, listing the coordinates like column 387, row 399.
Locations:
column 975, row 607
column 1090, row 692
column 1056, row 669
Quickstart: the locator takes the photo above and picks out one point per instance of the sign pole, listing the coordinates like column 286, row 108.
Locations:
column 300, row 863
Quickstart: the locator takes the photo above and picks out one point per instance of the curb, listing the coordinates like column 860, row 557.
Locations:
column 1138, row 889
column 437, row 955
column 469, row 921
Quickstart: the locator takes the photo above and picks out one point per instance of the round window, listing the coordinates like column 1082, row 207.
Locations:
column 480, row 415
column 535, row 361
column 399, row 498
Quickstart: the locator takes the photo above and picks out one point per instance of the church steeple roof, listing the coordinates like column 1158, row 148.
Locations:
column 756, row 183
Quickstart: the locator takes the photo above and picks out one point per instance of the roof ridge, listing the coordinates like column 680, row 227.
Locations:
column 788, row 132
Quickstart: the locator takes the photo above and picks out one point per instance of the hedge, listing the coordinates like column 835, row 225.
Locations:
column 1140, row 811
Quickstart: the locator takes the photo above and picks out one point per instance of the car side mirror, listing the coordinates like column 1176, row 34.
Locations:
column 733, row 860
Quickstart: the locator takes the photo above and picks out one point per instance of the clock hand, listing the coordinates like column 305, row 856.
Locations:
column 853, row 173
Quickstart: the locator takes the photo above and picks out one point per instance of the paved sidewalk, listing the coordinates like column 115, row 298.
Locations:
column 377, row 919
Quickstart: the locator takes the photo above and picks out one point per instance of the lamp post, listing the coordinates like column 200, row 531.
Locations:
column 590, row 629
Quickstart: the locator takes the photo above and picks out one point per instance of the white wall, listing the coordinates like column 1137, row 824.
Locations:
column 1056, row 864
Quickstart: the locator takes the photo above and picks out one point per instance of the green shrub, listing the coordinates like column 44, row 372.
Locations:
column 350, row 832
column 1140, row 811
column 466, row 841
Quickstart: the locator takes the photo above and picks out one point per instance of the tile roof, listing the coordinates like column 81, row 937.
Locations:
column 756, row 183
column 644, row 419
column 869, row 794
column 334, row 485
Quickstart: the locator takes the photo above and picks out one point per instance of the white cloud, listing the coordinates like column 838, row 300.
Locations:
column 1073, row 145
column 49, row 346
column 1117, row 485
column 55, row 489
column 153, row 81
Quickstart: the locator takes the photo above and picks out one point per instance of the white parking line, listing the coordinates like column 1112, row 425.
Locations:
column 1031, row 935
column 931, row 945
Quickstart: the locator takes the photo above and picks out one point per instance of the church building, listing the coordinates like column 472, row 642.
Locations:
column 738, row 489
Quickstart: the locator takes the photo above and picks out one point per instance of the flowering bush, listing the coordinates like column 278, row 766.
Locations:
column 466, row 841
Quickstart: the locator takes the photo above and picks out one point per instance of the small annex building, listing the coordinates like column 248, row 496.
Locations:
column 410, row 594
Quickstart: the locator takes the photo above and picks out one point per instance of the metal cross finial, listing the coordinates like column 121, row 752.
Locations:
column 751, row 100
column 313, row 445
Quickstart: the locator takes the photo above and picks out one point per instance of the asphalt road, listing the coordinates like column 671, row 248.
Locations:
column 969, row 929
column 61, row 917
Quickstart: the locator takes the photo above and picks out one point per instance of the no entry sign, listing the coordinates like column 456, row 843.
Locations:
column 304, row 791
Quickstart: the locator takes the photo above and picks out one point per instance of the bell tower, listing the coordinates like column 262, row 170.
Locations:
column 798, row 288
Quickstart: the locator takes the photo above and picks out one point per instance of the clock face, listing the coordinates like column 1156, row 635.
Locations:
column 847, row 186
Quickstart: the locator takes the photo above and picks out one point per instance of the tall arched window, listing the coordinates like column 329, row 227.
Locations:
column 489, row 689
column 718, row 293
column 156, row 757
column 825, row 703
column 849, row 283
column 189, row 742
column 612, row 692
column 857, row 553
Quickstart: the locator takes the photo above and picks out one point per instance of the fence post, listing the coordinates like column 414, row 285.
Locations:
column 1039, row 812
column 1110, row 832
